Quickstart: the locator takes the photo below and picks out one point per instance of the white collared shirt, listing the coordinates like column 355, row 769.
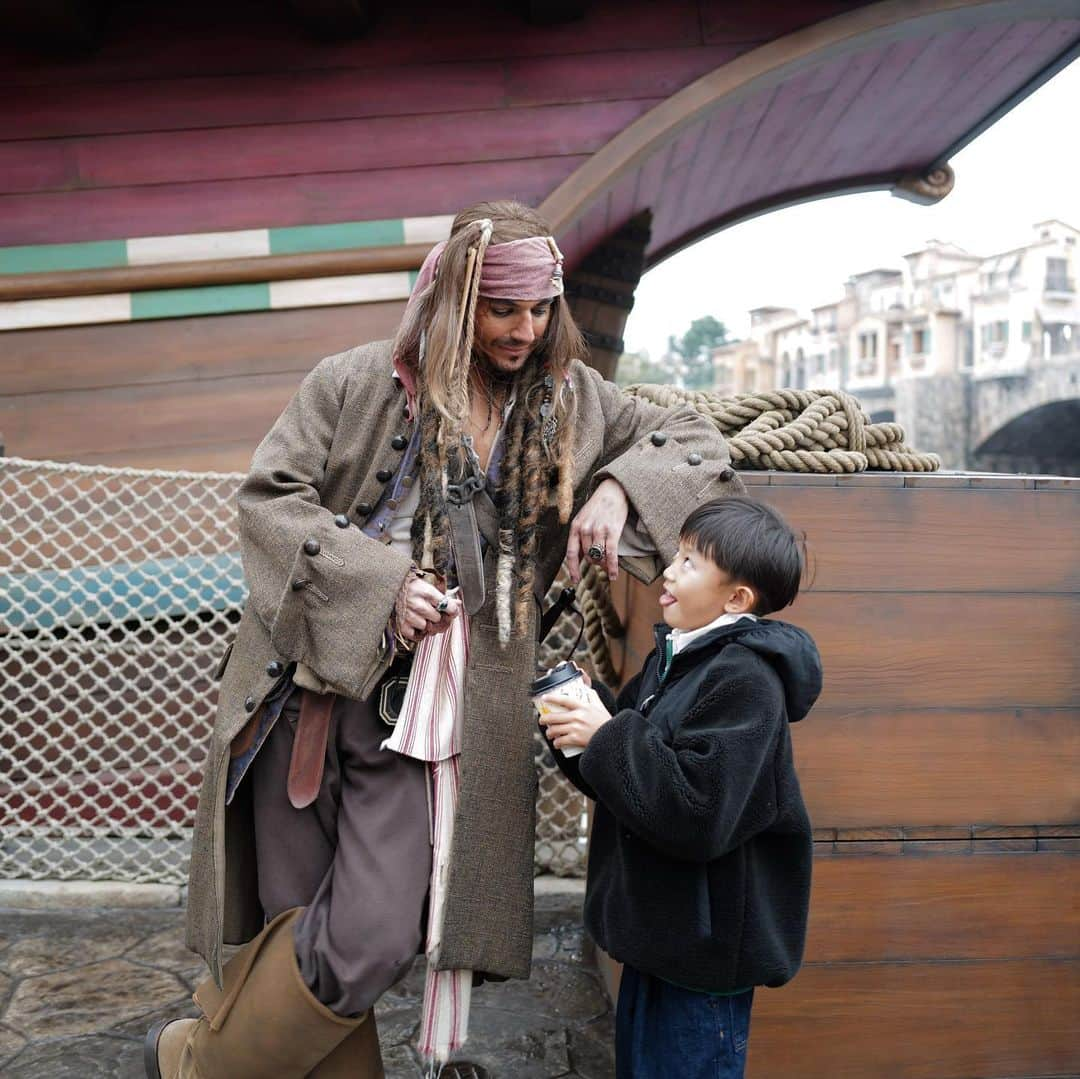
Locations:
column 680, row 638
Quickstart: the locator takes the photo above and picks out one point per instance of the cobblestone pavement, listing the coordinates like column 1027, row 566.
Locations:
column 79, row 988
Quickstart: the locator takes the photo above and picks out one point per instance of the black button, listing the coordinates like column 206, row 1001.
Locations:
column 693, row 458
column 384, row 475
column 312, row 547
column 274, row 668
column 298, row 584
column 341, row 521
column 727, row 475
column 249, row 704
column 363, row 509
column 658, row 438
column 399, row 442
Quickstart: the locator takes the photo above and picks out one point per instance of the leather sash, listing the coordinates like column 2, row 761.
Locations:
column 468, row 558
column 309, row 747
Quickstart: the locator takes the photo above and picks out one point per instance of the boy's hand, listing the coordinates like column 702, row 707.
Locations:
column 572, row 723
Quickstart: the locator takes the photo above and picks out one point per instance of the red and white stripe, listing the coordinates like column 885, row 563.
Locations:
column 429, row 729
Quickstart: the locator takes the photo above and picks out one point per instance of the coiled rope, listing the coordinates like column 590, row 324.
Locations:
column 818, row 431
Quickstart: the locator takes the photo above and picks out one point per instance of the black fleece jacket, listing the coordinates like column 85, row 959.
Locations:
column 699, row 863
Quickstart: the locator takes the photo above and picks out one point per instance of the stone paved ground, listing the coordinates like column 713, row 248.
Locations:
column 79, row 988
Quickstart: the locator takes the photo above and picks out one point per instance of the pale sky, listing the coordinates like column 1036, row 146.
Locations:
column 1024, row 169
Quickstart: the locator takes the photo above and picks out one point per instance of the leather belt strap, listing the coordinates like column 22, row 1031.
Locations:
column 468, row 559
column 309, row 747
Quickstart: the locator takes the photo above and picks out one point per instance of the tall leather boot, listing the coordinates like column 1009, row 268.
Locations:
column 264, row 1021
column 357, row 1057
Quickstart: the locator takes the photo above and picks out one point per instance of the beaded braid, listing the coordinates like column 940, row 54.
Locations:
column 430, row 524
column 533, row 491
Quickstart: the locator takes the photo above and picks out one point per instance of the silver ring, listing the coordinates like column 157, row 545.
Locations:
column 442, row 605
column 595, row 552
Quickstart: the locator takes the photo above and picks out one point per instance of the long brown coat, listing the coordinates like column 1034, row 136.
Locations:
column 322, row 459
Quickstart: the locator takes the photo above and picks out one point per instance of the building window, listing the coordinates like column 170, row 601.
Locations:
column 920, row 341
column 1061, row 338
column 867, row 360
column 995, row 337
column 1025, row 332
column 1057, row 276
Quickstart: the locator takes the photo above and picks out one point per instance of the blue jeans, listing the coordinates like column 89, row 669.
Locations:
column 662, row 1031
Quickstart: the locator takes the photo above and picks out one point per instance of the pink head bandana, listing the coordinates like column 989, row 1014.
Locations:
column 529, row 269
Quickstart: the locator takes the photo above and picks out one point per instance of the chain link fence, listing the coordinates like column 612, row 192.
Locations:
column 119, row 589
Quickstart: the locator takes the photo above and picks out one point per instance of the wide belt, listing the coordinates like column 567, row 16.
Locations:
column 309, row 747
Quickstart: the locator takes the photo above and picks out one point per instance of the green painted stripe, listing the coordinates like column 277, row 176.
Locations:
column 45, row 257
column 215, row 300
column 300, row 238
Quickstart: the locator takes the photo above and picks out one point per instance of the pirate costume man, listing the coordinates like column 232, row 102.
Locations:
column 336, row 844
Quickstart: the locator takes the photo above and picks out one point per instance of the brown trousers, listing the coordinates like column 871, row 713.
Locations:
column 358, row 859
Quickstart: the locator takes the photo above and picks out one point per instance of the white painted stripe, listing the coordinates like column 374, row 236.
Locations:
column 247, row 243
column 355, row 288
column 427, row 230
column 66, row 311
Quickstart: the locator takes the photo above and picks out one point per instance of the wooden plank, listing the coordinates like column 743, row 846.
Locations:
column 200, row 39
column 338, row 93
column 760, row 24
column 187, row 349
column 931, row 767
column 920, row 1021
column 164, row 209
column 994, row 63
column 932, row 650
column 878, row 539
column 288, row 149
column 130, row 420
column 935, row 908
column 919, row 651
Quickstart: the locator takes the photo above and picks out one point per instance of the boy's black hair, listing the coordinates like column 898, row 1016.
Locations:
column 752, row 543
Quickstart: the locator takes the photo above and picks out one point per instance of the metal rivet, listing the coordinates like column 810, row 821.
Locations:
column 341, row 521
column 658, row 438
column 312, row 547
column 399, row 442
column 249, row 704
column 363, row 509
column 392, row 503
column 727, row 475
column 274, row 668
column 384, row 475
column 407, row 481
column 298, row 584
column 693, row 458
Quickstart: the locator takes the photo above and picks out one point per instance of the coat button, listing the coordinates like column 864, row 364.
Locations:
column 312, row 547
column 658, row 438
column 341, row 521
column 399, row 442
column 274, row 668
column 693, row 458
column 384, row 475
column 249, row 704
column 727, row 475
column 298, row 584
column 363, row 509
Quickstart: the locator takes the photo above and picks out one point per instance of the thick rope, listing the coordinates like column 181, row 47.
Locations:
column 814, row 431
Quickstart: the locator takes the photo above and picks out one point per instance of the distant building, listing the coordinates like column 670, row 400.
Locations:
column 952, row 346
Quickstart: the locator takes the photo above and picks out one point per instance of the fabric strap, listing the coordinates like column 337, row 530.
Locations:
column 430, row 729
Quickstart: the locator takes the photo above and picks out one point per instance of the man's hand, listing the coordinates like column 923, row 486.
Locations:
column 417, row 611
column 600, row 522
column 571, row 722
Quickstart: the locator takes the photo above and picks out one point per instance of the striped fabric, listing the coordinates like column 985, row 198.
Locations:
column 429, row 729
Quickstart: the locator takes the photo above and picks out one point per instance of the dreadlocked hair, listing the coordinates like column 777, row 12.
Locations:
column 430, row 533
column 537, row 446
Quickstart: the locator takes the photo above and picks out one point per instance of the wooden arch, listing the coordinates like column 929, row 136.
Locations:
column 940, row 61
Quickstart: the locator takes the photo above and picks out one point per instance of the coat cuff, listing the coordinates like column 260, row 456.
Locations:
column 324, row 618
column 665, row 480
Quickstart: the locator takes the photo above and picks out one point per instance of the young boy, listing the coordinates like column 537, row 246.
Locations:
column 699, row 864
